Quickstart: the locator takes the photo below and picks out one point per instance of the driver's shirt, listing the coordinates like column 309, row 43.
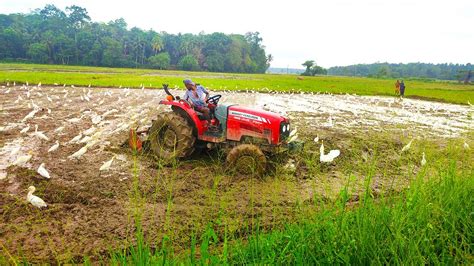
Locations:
column 197, row 101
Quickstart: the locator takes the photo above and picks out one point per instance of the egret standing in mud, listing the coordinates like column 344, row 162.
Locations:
column 54, row 147
column 40, row 134
column 106, row 166
column 76, row 139
column 29, row 115
column 35, row 200
column 75, row 120
column 78, row 153
column 43, row 172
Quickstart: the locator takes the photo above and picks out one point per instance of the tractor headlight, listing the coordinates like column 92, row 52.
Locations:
column 284, row 131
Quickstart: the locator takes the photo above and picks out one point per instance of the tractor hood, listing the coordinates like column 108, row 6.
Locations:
column 257, row 115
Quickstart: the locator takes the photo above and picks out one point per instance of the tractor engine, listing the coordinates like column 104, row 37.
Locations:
column 258, row 125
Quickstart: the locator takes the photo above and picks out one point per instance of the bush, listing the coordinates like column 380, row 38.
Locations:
column 160, row 61
column 188, row 62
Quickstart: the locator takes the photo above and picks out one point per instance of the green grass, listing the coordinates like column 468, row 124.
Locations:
column 114, row 77
column 430, row 222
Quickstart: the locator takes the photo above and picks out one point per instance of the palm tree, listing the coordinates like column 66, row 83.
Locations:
column 157, row 44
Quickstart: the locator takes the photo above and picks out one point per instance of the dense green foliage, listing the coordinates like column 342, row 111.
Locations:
column 115, row 77
column 414, row 70
column 53, row 36
column 312, row 69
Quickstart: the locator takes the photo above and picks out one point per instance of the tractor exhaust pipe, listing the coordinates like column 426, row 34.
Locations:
column 165, row 87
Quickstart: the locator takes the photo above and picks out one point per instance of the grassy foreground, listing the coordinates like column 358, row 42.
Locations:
column 430, row 222
column 115, row 77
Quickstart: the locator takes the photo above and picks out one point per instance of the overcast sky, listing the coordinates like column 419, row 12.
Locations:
column 332, row 32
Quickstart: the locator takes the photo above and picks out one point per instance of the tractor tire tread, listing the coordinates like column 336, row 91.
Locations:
column 184, row 132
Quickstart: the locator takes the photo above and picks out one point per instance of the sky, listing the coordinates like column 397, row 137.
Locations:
column 332, row 32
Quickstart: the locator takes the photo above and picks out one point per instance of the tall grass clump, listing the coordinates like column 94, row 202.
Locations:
column 431, row 222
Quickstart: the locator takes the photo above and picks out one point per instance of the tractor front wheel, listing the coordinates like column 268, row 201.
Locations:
column 171, row 137
column 247, row 159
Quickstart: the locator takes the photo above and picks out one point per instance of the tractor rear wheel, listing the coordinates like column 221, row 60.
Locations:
column 171, row 136
column 247, row 159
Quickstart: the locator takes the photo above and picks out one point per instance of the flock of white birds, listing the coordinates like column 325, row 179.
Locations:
column 43, row 105
column 114, row 111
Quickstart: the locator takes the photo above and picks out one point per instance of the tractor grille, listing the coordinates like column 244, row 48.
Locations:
column 284, row 131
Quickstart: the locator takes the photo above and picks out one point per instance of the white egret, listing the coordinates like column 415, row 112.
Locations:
column 30, row 115
column 85, row 139
column 330, row 122
column 78, row 153
column 290, row 165
column 42, row 171
column 106, row 165
column 76, row 138
column 423, row 160
column 316, row 139
column 59, row 129
column 35, row 200
column 22, row 159
column 293, row 132
column 327, row 158
column 89, row 131
column 25, row 129
column 293, row 138
column 96, row 119
column 40, row 134
column 54, row 147
column 407, row 147
column 75, row 120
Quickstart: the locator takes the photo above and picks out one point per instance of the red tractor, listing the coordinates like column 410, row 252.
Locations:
column 247, row 134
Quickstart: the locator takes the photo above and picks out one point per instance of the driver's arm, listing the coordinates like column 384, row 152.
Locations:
column 186, row 97
column 205, row 92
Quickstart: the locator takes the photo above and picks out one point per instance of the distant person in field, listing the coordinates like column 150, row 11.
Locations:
column 402, row 89
column 397, row 87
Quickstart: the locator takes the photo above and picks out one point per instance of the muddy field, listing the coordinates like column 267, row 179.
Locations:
column 91, row 211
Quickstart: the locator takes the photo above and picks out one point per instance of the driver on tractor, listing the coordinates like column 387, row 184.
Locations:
column 197, row 96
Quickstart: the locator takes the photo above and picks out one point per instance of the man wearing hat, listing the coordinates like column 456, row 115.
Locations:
column 197, row 96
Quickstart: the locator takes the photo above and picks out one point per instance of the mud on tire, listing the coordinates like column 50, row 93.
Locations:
column 246, row 159
column 171, row 137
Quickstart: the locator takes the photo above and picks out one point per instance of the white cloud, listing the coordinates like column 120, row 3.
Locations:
column 333, row 33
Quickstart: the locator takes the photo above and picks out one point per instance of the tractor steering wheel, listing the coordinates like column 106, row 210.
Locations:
column 214, row 99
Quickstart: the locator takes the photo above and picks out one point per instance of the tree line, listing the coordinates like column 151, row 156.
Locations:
column 460, row 72
column 54, row 36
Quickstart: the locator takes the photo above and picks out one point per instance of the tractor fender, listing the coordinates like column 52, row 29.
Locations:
column 188, row 113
